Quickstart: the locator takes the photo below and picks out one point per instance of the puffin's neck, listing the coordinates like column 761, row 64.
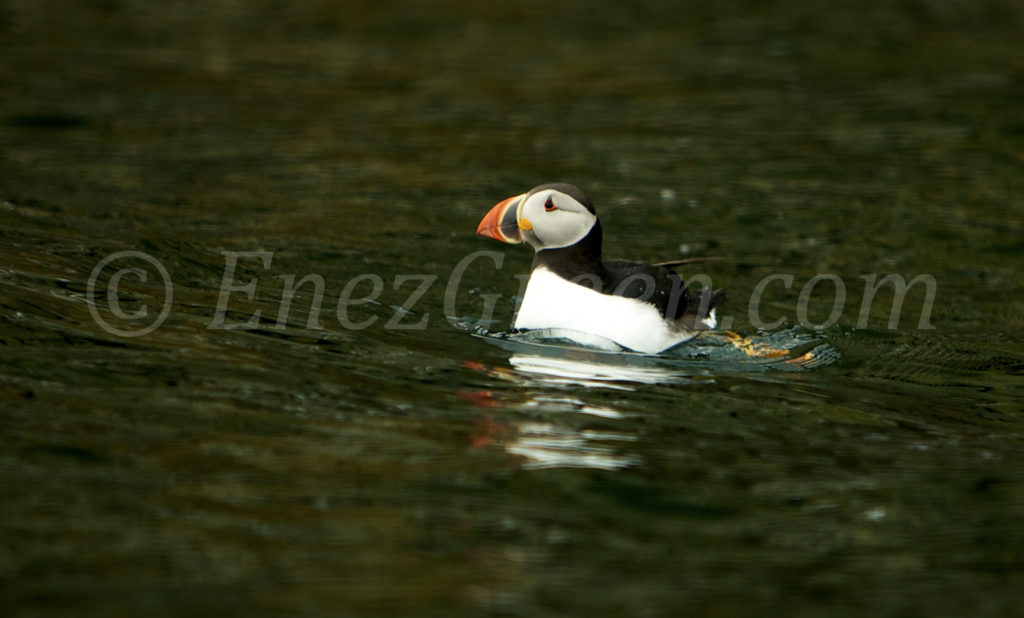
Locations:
column 582, row 258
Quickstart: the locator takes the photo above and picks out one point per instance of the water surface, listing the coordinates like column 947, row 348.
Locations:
column 375, row 460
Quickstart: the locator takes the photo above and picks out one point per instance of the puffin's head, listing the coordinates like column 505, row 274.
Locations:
column 547, row 217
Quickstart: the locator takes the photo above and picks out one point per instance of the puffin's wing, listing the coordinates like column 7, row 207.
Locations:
column 674, row 300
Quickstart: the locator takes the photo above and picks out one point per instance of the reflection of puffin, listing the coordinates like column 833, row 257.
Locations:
column 640, row 306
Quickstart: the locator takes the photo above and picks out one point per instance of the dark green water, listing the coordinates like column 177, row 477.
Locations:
column 319, row 467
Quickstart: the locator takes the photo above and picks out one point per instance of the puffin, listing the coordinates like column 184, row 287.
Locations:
column 639, row 306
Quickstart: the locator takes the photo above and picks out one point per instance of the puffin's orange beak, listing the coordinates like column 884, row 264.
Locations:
column 501, row 223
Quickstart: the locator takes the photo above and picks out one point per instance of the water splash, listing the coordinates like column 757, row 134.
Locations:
column 555, row 357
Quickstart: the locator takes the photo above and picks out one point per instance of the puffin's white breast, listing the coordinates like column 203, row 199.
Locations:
column 553, row 302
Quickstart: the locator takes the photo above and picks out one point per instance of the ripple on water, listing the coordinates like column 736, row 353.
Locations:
column 556, row 358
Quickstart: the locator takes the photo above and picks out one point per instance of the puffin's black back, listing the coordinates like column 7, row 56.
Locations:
column 663, row 288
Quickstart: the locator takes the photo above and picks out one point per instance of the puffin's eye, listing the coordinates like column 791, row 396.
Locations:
column 549, row 205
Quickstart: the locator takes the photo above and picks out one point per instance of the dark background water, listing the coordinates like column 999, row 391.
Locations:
column 323, row 469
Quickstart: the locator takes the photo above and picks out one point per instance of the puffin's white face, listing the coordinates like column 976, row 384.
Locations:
column 550, row 219
column 547, row 217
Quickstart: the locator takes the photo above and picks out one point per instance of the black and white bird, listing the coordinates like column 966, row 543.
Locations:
column 642, row 307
